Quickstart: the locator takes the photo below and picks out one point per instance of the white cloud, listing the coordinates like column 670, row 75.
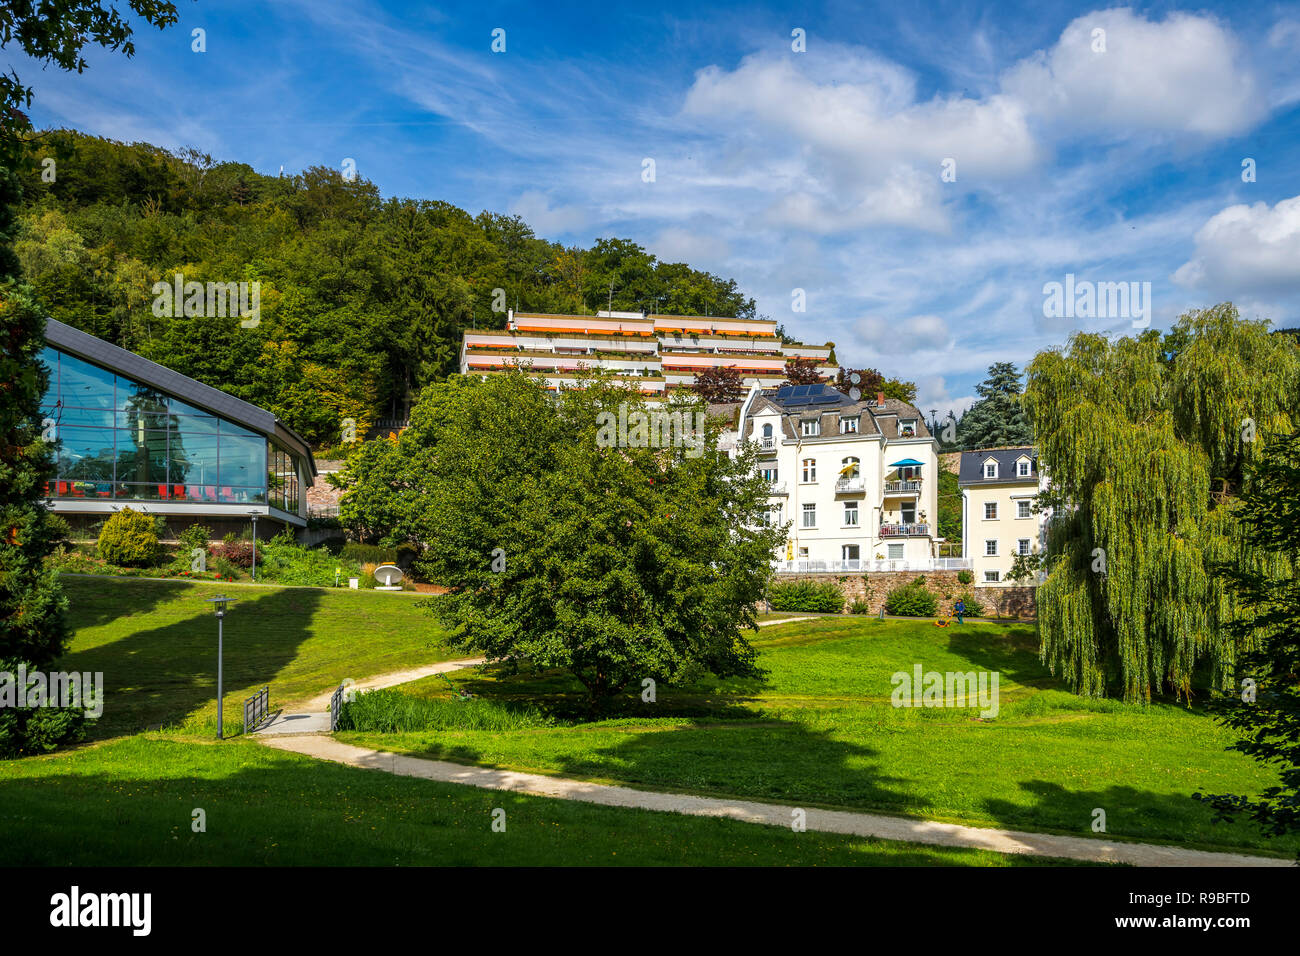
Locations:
column 896, row 336
column 546, row 220
column 1184, row 74
column 1247, row 250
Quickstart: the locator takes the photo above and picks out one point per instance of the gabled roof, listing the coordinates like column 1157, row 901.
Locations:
column 972, row 465
column 140, row 369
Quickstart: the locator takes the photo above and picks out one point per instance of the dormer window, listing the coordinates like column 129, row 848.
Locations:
column 849, row 426
column 1023, row 467
column 990, row 469
column 810, row 429
column 907, row 428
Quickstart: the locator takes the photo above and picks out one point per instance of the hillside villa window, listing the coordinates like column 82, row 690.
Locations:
column 907, row 511
column 809, row 516
column 850, row 514
column 849, row 468
column 1022, row 546
column 1023, row 509
column 772, row 517
column 990, row 510
column 767, row 436
column 849, row 552
column 769, row 475
column 991, row 577
column 990, row 469
column 848, row 426
column 1022, row 468
column 991, row 547
column 809, row 470
column 907, row 428
column 810, row 429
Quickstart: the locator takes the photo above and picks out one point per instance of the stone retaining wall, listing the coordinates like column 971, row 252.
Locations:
column 874, row 587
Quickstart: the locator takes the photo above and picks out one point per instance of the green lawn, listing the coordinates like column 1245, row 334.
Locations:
column 156, row 644
column 130, row 802
column 820, row 730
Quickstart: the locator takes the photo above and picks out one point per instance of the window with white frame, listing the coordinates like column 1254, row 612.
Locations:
column 1022, row 546
column 990, row 510
column 810, row 429
column 907, row 428
column 990, row 545
column 992, row 577
column 990, row 469
column 849, row 552
column 772, row 517
column 848, row 426
column 1022, row 468
column 770, row 474
column 1023, row 509
column 803, row 553
column 809, row 516
column 850, row 514
column 809, row 470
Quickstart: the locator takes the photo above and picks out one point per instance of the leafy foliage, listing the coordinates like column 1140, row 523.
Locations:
column 615, row 563
column 998, row 418
column 1146, row 441
column 1267, row 714
column 912, row 599
column 802, row 371
column 823, row 598
column 363, row 299
column 129, row 538
column 719, row 384
column 872, row 382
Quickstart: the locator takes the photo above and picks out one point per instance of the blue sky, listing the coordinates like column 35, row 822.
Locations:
column 819, row 170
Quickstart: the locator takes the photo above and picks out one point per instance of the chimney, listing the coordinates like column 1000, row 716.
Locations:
column 880, row 398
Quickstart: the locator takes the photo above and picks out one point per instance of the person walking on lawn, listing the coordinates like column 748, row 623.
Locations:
column 960, row 609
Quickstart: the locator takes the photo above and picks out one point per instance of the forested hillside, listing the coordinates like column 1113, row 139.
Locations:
column 363, row 299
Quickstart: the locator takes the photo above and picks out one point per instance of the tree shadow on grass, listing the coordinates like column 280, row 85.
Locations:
column 166, row 674
column 96, row 600
column 1131, row 813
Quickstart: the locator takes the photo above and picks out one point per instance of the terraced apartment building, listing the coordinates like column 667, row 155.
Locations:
column 656, row 352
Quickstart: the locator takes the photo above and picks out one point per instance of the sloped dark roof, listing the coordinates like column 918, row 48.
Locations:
column 136, row 367
column 972, row 465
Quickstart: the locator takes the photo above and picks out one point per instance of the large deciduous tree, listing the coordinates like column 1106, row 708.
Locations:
column 1145, row 441
column 32, row 630
column 719, row 384
column 577, row 542
column 1265, row 703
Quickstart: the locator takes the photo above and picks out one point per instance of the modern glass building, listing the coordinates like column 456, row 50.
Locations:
column 130, row 431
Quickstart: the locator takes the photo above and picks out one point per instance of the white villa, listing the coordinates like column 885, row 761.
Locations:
column 857, row 479
column 998, row 486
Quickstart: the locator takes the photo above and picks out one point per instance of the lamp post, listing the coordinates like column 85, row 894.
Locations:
column 253, row 516
column 219, row 605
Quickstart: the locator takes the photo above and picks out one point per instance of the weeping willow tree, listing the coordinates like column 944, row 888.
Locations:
column 1146, row 442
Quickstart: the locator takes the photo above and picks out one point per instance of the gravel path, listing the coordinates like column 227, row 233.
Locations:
column 827, row 821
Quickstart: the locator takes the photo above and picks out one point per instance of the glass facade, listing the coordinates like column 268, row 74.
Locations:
column 119, row 439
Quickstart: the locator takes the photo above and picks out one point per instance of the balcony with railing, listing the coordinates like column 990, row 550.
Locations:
column 909, row 486
column 850, row 486
column 905, row 530
column 807, row 566
column 776, row 488
column 767, row 444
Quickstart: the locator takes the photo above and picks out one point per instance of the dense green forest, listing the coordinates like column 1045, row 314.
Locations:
column 363, row 299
